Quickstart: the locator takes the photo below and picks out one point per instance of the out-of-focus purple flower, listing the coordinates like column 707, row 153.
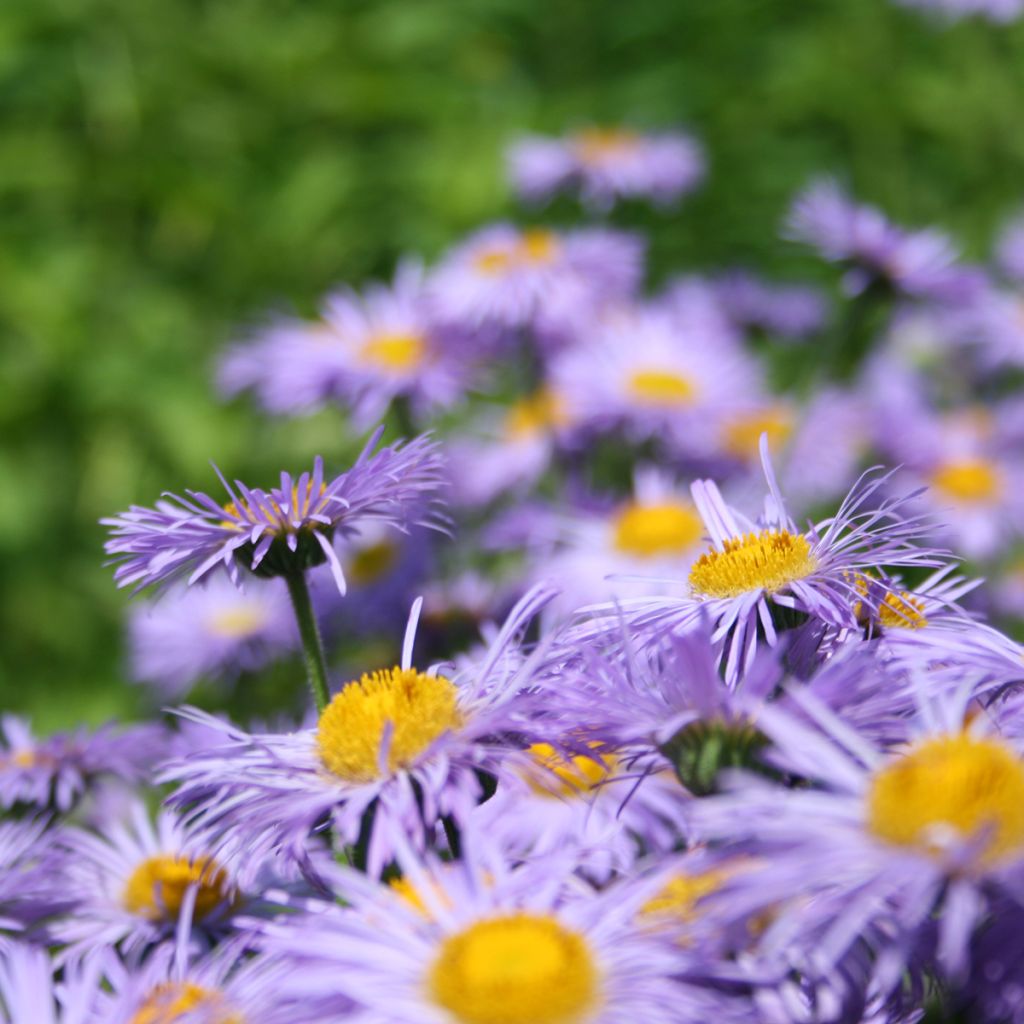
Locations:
column 1001, row 11
column 55, row 771
column 29, row 866
column 407, row 743
column 366, row 350
column 782, row 311
column 31, row 994
column 921, row 264
column 510, row 279
column 284, row 529
column 213, row 630
column 1010, row 244
column 603, row 165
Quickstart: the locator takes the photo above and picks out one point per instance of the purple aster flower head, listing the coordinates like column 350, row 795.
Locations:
column 407, row 746
column 921, row 264
column 484, row 942
column 1010, row 244
column 782, row 311
column 999, row 11
column 31, row 994
column 507, row 279
column 28, row 866
column 55, row 771
column 279, row 531
column 367, row 350
column 755, row 566
column 603, row 165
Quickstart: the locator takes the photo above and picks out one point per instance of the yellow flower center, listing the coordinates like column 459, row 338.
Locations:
column 678, row 900
column 372, row 562
column 971, row 481
column 557, row 775
column 284, row 515
column 418, row 707
column 538, row 413
column 742, row 434
column 26, row 758
column 535, row 246
column 769, row 560
column 661, row 388
column 397, row 352
column 238, row 621
column 902, row 611
column 596, row 145
column 170, row 1002
column 156, row 888
column 950, row 784
column 521, row 968
column 646, row 531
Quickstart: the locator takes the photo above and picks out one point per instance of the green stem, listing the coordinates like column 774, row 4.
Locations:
column 312, row 648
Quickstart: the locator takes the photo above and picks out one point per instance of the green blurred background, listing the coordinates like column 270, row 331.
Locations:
column 171, row 169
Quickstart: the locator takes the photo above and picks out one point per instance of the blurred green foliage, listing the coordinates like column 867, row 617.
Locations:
column 171, row 169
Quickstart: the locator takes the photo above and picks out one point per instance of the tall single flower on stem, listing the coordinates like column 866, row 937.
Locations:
column 283, row 531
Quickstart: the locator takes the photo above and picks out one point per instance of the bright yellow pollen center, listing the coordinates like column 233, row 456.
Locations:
column 398, row 352
column 769, row 560
column 661, row 387
column 170, row 1002
column 419, row 708
column 955, row 783
column 535, row 414
column 372, row 562
column 156, row 888
column 237, row 622
column 521, row 968
column 24, row 758
column 646, row 531
column 742, row 435
column 557, row 775
column 970, row 481
column 679, row 898
column 533, row 247
column 902, row 611
column 596, row 145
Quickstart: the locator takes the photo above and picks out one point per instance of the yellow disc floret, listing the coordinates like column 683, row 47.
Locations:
column 954, row 786
column 170, row 1002
column 557, row 775
column 538, row 413
column 647, row 531
column 742, row 434
column 521, row 968
column 418, row 707
column 661, row 388
column 769, row 560
column 238, row 621
column 396, row 352
column 156, row 888
column 971, row 481
column 678, row 900
column 596, row 145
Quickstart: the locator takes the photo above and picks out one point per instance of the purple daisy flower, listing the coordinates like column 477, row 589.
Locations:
column 280, row 531
column 606, row 164
column 754, row 566
column 408, row 744
column 486, row 943
column 28, row 865
column 57, row 770
column 782, row 311
column 30, row 994
column 921, row 264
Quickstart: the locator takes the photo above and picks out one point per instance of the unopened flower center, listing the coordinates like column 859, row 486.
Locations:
column 769, row 560
column 954, row 786
column 742, row 434
column 156, row 888
column 238, row 621
column 538, row 413
column 661, row 388
column 170, row 1002
column 596, row 145
column 646, row 531
column 521, row 968
column 558, row 775
column 399, row 352
column 414, row 708
column 969, row 481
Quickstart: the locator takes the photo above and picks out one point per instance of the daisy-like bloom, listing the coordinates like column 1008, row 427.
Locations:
column 28, row 865
column 130, row 885
column 781, row 311
column 885, row 845
column 507, row 278
column 485, row 943
column 606, row 164
column 753, row 567
column 55, row 771
column 598, row 553
column 1000, row 11
column 646, row 371
column 366, row 350
column 280, row 531
column 30, row 994
column 921, row 264
column 214, row 630
column 508, row 448
column 408, row 744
